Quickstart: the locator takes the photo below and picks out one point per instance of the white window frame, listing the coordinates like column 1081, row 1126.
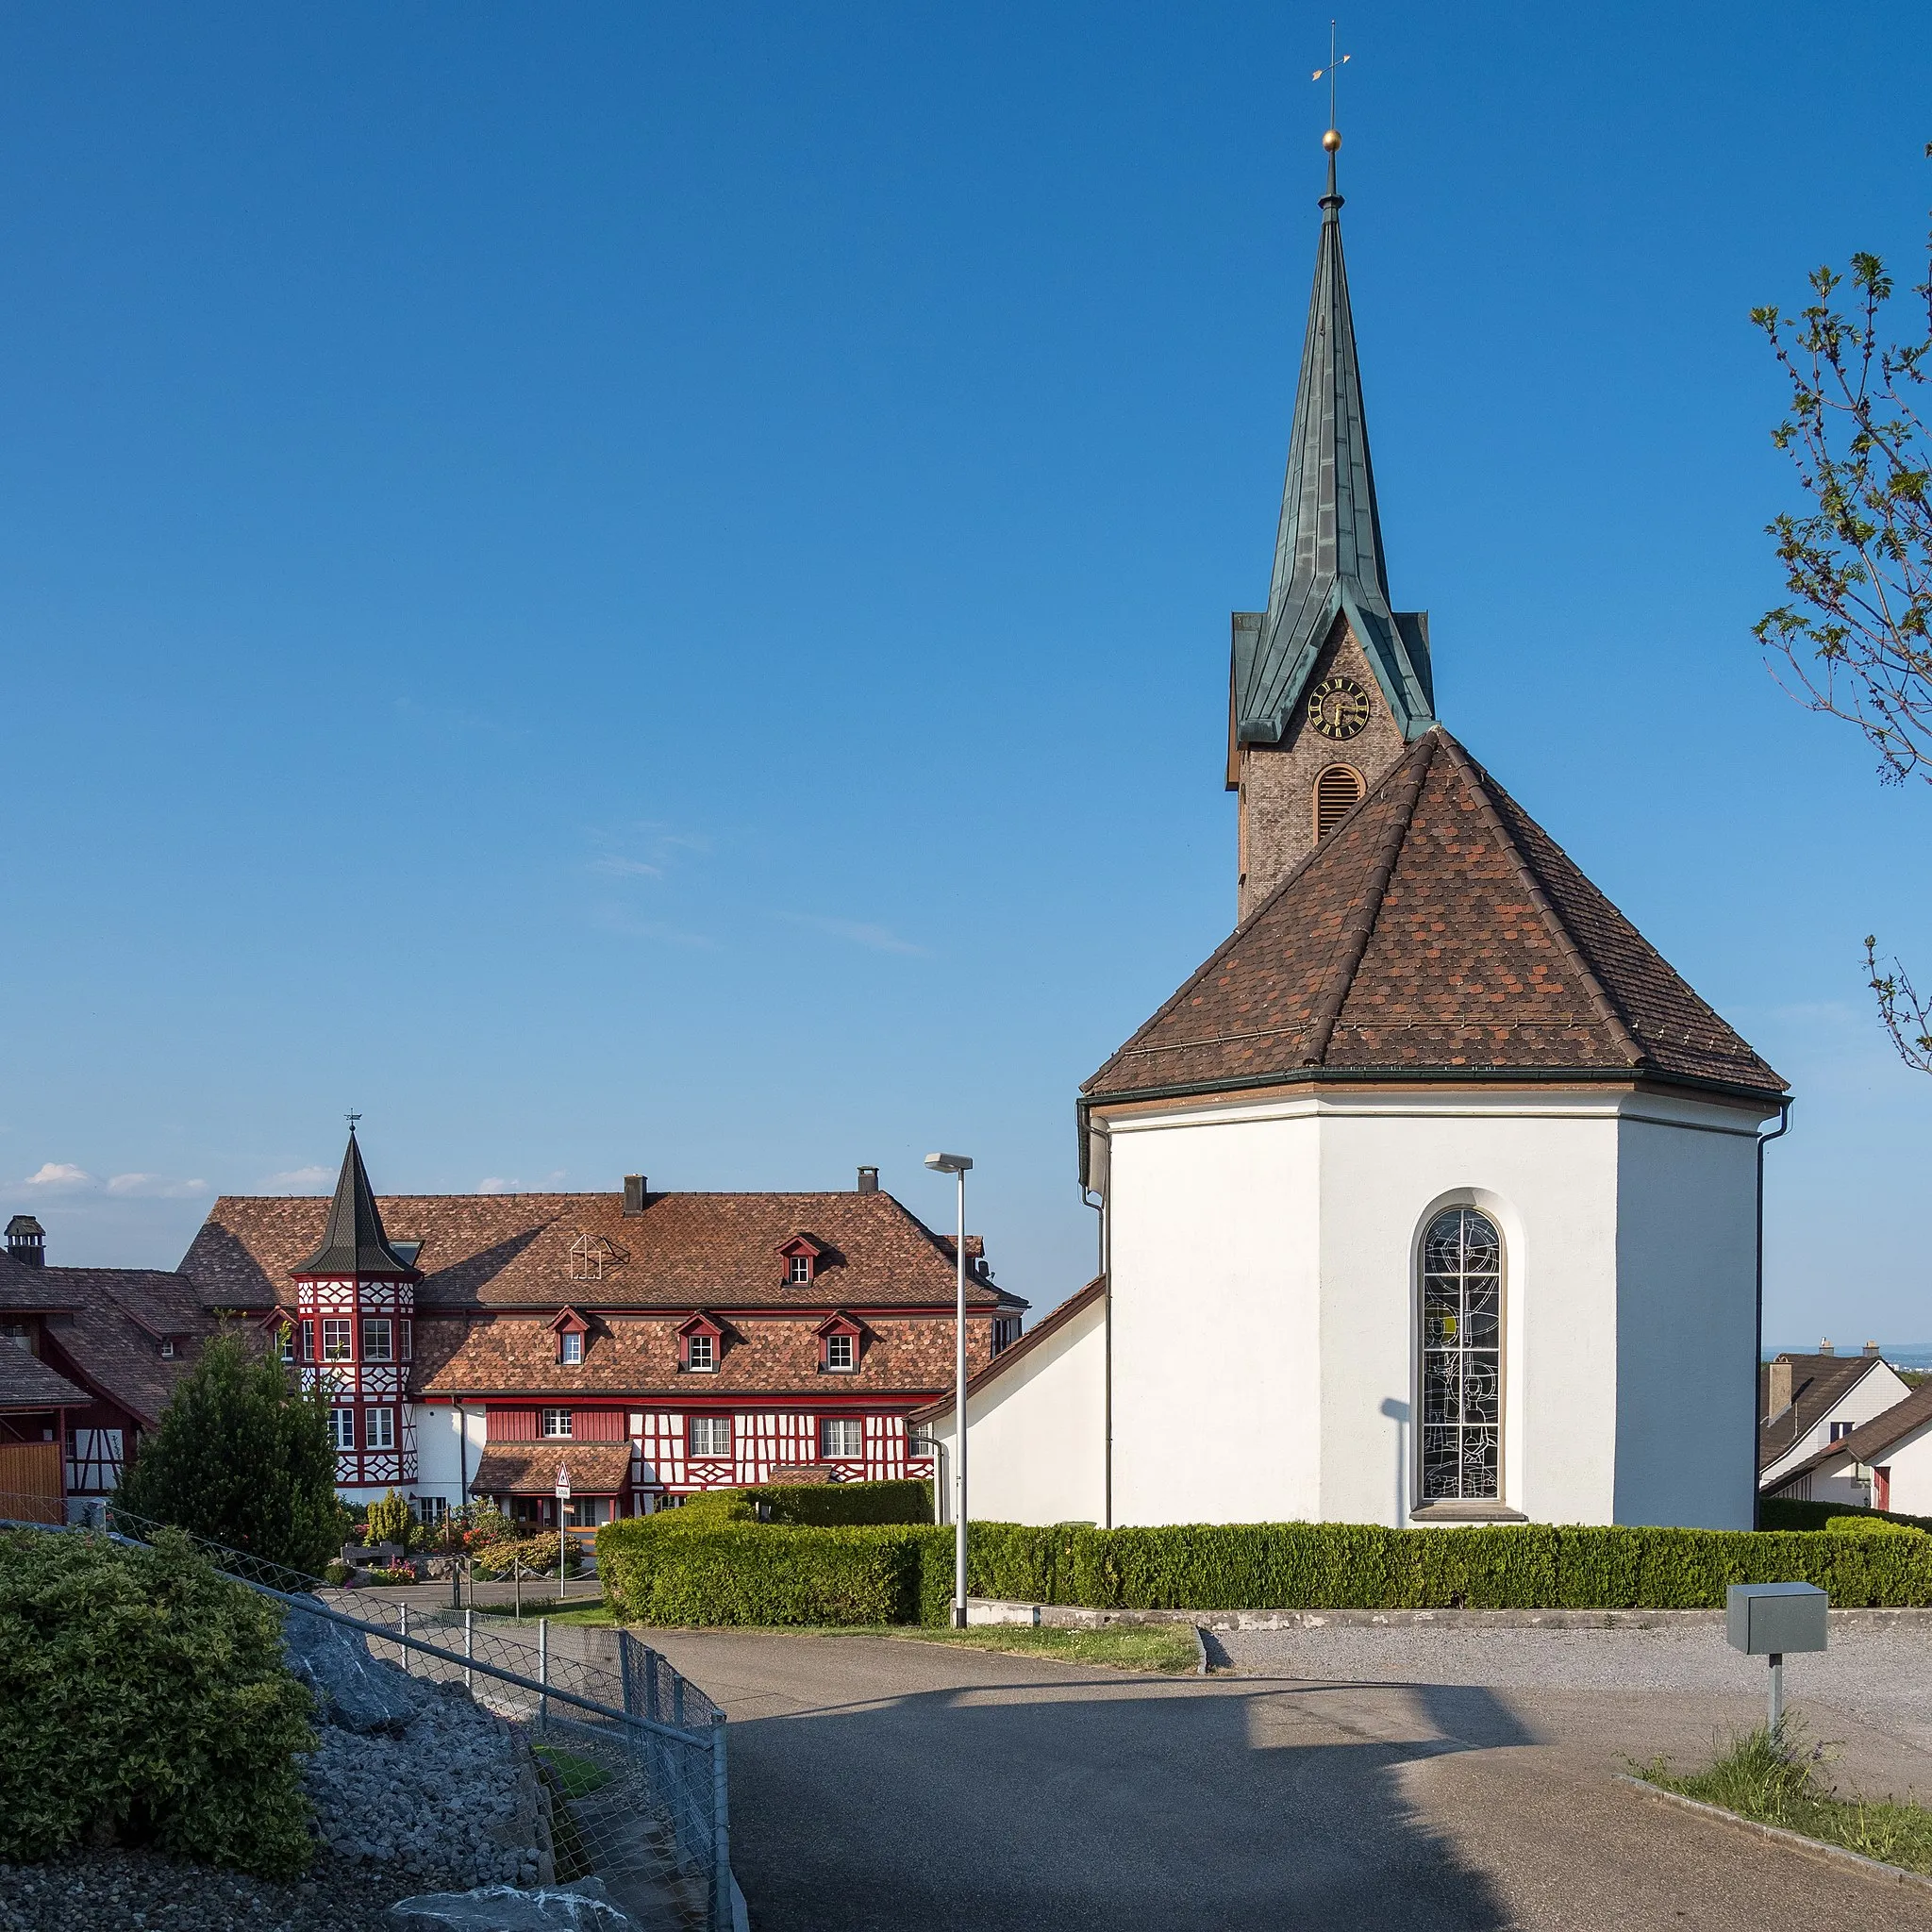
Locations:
column 381, row 1429
column 800, row 1270
column 378, row 1338
column 570, row 1347
column 408, row 1338
column 845, row 1427
column 840, row 1343
column 555, row 1425
column 342, row 1430
column 337, row 1339
column 708, row 1424
column 287, row 1341
column 710, row 1345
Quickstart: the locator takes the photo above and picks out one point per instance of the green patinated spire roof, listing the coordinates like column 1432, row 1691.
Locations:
column 354, row 1242
column 1328, row 559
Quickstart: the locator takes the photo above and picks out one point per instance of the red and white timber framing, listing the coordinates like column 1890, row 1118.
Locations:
column 356, row 1338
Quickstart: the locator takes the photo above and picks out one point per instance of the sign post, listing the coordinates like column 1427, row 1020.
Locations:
column 562, row 1534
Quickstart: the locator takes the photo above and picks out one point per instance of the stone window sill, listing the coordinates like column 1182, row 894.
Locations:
column 1465, row 1512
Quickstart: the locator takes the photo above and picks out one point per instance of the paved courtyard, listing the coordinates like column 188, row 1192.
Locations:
column 1352, row 1779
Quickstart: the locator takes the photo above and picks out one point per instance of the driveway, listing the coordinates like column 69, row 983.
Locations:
column 879, row 1785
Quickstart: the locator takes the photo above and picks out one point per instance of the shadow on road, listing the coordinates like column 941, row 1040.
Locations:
column 1068, row 1806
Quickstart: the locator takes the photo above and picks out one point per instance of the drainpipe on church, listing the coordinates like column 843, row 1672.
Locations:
column 1784, row 1121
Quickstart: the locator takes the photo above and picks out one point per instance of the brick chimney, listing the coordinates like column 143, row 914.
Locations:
column 1778, row 1389
column 868, row 1180
column 26, row 1242
column 635, row 1188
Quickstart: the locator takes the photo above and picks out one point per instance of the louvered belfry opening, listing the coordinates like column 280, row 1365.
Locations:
column 1335, row 789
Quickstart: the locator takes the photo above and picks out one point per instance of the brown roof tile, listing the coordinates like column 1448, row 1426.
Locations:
column 119, row 1317
column 26, row 1382
column 530, row 1469
column 1438, row 929
column 1817, row 1382
column 683, row 1251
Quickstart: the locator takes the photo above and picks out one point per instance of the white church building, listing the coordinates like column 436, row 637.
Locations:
column 1432, row 1197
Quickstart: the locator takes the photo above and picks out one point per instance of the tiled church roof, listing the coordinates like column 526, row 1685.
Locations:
column 684, row 1250
column 1437, row 930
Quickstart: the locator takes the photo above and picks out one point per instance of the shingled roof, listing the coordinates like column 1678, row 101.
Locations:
column 684, row 1250
column 1438, row 931
column 29, row 1382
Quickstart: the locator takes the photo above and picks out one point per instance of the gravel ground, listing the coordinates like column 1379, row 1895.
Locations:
column 1880, row 1675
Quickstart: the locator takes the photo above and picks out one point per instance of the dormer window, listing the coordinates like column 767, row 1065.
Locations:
column 839, row 1345
column 700, row 1345
column 572, row 1331
column 167, row 1348
column 801, row 1257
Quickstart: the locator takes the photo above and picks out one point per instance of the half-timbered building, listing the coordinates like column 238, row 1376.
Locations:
column 649, row 1343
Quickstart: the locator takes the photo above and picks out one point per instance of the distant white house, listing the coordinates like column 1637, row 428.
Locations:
column 1808, row 1401
column 1884, row 1464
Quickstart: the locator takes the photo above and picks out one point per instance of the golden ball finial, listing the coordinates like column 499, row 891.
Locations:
column 1331, row 141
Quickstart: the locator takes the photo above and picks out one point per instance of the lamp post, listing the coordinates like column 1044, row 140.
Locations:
column 956, row 1165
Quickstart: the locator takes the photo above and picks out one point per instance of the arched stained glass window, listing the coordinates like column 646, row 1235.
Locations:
column 1462, row 1357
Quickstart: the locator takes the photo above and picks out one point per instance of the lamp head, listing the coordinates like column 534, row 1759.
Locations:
column 949, row 1163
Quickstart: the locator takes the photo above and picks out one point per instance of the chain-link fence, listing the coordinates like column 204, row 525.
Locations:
column 621, row 1759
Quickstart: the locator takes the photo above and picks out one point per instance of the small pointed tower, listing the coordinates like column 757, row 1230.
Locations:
column 1328, row 685
column 355, row 1327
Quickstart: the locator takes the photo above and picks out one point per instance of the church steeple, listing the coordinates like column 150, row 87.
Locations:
column 353, row 1243
column 1328, row 599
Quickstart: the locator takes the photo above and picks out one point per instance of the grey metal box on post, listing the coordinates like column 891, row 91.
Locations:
column 1771, row 1619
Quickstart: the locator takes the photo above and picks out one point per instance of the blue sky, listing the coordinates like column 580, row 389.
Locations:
column 646, row 587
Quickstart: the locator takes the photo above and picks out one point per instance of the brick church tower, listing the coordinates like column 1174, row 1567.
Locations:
column 1329, row 684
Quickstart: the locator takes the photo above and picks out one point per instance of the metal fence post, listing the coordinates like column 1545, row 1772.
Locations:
column 469, row 1650
column 720, row 1829
column 543, row 1669
column 403, row 1611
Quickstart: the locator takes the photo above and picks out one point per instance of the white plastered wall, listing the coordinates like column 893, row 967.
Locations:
column 439, row 1451
column 1037, row 1448
column 1263, row 1271
column 1910, row 1463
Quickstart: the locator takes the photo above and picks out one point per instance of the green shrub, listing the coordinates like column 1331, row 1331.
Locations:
column 143, row 1697
column 1786, row 1512
column 708, row 1572
column 389, row 1522
column 244, row 1458
column 827, row 1503
column 336, row 1574
column 1866, row 1524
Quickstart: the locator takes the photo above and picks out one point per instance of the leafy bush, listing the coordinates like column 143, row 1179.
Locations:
column 389, row 1522
column 336, row 1574
column 244, row 1458
column 144, row 1697
column 827, row 1503
column 537, row 1554
column 710, row 1571
column 1786, row 1512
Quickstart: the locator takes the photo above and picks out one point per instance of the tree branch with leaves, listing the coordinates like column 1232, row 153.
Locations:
column 1855, row 639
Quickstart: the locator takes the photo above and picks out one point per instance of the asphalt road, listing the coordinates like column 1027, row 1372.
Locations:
column 879, row 1785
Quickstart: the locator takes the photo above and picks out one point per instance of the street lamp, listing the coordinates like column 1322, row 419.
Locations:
column 956, row 1165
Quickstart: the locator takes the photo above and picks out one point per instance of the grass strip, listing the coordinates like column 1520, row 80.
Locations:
column 584, row 1610
column 1168, row 1648
column 1771, row 1781
column 576, row 1778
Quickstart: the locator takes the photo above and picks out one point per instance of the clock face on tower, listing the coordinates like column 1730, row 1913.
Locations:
column 1338, row 707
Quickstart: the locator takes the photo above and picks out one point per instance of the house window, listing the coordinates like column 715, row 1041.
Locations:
column 570, row 1347
column 382, row 1429
column 841, row 1435
column 431, row 1510
column 375, row 1339
column 1462, row 1358
column 307, row 1344
column 801, row 1269
column 710, row 1435
column 556, row 1421
column 336, row 1332
column 167, row 1348
column 287, row 1340
column 342, row 1427
column 19, row 1334
column 1839, row 1429
column 841, row 1352
column 408, row 1339
column 704, row 1353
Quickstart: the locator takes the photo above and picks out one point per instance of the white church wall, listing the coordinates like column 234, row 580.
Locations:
column 1543, row 1169
column 1687, row 1391
column 1213, row 1230
column 1038, row 1448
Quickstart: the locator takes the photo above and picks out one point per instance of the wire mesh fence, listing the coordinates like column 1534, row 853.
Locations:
column 620, row 1759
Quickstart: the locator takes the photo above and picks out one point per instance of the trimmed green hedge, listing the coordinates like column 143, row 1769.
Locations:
column 743, row 1572
column 829, row 1504
column 1786, row 1512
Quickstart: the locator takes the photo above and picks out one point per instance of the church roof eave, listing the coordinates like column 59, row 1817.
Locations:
column 1385, row 641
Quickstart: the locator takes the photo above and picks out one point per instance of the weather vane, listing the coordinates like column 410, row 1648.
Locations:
column 353, row 1118
column 1336, row 63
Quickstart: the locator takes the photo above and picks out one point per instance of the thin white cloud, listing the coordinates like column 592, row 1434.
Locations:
column 876, row 939
column 496, row 1185
column 299, row 1180
column 58, row 1177
column 621, row 868
column 155, row 1187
